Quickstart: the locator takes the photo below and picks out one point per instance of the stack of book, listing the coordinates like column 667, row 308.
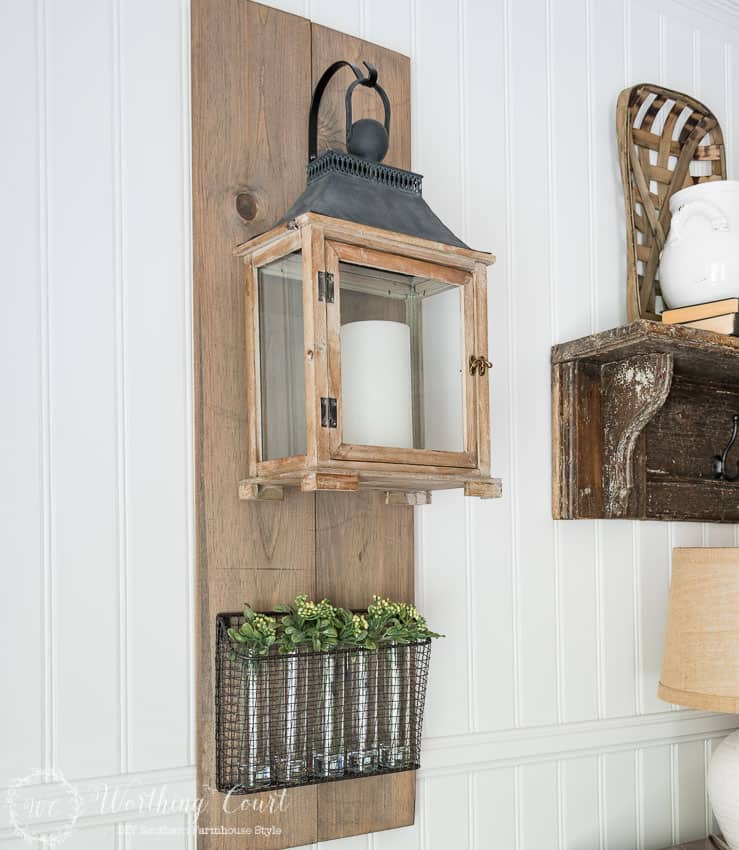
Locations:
column 719, row 316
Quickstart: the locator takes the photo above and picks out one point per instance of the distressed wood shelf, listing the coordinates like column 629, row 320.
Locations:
column 638, row 412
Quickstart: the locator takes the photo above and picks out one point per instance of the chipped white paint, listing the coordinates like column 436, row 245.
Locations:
column 642, row 384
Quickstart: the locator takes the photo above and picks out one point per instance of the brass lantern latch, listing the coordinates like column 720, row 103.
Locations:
column 479, row 365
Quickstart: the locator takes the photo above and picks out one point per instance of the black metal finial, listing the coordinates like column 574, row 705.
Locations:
column 718, row 464
column 365, row 138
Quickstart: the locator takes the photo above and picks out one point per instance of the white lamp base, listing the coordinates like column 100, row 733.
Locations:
column 723, row 788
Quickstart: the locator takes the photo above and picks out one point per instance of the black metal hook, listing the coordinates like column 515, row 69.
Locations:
column 718, row 464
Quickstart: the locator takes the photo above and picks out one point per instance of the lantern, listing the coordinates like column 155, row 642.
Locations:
column 366, row 333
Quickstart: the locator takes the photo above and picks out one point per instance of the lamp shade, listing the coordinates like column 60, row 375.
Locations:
column 700, row 666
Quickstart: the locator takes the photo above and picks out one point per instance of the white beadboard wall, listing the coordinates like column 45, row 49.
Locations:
column 543, row 729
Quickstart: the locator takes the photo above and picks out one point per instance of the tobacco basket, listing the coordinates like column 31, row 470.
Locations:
column 667, row 141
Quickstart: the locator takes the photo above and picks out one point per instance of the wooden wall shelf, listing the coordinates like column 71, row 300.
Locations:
column 638, row 412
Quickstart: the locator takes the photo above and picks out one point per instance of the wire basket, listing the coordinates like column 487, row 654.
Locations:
column 307, row 717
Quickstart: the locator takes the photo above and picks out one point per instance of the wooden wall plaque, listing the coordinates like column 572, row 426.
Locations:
column 253, row 70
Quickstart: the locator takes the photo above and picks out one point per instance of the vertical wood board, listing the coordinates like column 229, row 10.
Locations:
column 260, row 552
column 253, row 70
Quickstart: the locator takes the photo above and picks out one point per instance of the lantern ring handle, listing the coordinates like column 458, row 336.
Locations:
column 370, row 80
column 316, row 102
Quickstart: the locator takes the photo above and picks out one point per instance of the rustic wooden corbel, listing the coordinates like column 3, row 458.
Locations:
column 633, row 390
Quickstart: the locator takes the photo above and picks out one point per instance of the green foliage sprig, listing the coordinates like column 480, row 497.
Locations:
column 308, row 625
column 353, row 628
column 256, row 635
column 395, row 622
column 319, row 626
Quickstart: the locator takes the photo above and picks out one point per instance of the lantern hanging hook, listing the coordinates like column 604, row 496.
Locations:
column 719, row 461
column 370, row 81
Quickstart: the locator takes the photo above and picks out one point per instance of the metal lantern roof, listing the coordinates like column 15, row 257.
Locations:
column 356, row 186
column 354, row 189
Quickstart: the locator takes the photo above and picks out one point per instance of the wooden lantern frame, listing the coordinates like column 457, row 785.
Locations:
column 407, row 475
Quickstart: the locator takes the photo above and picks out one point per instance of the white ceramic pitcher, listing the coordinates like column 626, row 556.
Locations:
column 700, row 260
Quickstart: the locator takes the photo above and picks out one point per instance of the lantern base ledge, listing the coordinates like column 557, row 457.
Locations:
column 251, row 492
column 408, row 497
column 484, row 489
column 341, row 481
column 405, row 489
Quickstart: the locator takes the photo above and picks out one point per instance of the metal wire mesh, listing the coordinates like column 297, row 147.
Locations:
column 306, row 717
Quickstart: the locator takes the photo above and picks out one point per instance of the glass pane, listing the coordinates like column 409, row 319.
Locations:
column 282, row 376
column 402, row 360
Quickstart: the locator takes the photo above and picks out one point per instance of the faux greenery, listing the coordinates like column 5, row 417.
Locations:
column 307, row 624
column 319, row 626
column 256, row 635
column 395, row 622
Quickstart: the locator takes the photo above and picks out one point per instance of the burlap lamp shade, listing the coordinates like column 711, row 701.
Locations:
column 700, row 665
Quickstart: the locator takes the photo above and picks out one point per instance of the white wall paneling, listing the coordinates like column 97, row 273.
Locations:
column 85, row 417
column 543, row 727
column 689, row 767
column 530, row 251
column 24, row 503
column 155, row 317
column 654, row 777
column 620, row 816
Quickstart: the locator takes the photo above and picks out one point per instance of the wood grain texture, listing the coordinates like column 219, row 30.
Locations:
column 358, row 806
column 577, row 440
column 364, row 546
column 361, row 256
column 345, row 535
column 243, row 84
column 251, row 88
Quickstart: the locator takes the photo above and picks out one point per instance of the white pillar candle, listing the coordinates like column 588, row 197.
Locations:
column 376, row 393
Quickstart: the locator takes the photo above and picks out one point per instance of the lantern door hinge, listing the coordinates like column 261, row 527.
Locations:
column 326, row 287
column 328, row 412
